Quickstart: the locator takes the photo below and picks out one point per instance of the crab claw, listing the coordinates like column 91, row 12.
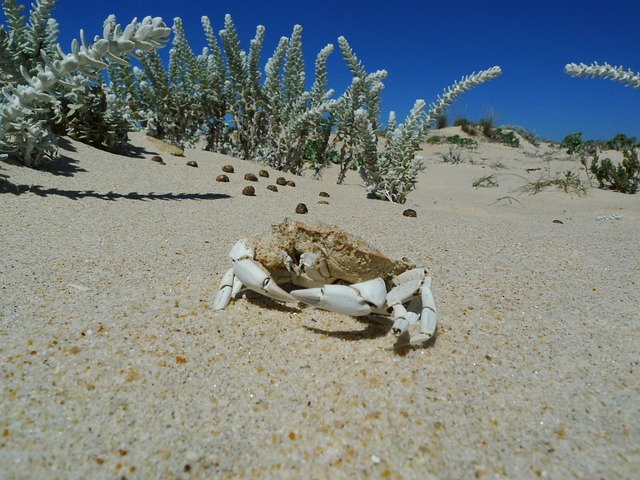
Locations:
column 255, row 277
column 229, row 286
column 356, row 300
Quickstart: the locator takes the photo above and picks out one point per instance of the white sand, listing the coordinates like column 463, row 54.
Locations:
column 113, row 363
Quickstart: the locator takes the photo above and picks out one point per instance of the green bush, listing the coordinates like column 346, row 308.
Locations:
column 624, row 177
column 452, row 139
column 620, row 142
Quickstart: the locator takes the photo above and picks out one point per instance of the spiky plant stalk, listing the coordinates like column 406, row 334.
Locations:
column 242, row 88
column 393, row 173
column 25, row 101
column 293, row 115
column 619, row 74
column 320, row 136
column 362, row 95
column 437, row 108
column 213, row 97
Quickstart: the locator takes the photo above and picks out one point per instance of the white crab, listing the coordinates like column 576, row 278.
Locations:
column 337, row 272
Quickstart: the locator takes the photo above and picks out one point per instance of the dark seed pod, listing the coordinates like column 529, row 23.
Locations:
column 222, row 178
column 249, row 191
column 263, row 173
column 191, row 163
column 301, row 208
column 409, row 213
column 250, row 177
column 273, row 188
column 324, row 194
column 228, row 169
column 281, row 181
column 291, row 183
column 158, row 159
column 323, row 202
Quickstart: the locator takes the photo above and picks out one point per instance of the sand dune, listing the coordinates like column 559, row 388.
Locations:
column 114, row 364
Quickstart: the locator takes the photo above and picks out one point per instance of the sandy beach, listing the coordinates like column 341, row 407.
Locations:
column 114, row 364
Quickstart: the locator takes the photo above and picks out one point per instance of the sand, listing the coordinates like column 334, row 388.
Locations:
column 114, row 364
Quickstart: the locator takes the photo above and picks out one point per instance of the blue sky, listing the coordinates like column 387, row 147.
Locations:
column 426, row 45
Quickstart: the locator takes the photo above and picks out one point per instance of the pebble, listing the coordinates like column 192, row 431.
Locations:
column 409, row 213
column 324, row 194
column 158, row 159
column 291, row 183
column 222, row 178
column 302, row 208
column 250, row 177
column 263, row 173
column 281, row 181
column 228, row 169
column 191, row 163
column 273, row 188
column 249, row 191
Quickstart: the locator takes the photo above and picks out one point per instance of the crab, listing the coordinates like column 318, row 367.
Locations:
column 334, row 271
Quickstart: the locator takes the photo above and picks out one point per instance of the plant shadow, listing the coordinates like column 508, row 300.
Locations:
column 8, row 187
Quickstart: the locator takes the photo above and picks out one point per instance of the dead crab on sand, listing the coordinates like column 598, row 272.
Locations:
column 337, row 272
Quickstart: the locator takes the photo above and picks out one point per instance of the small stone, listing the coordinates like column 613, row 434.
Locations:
column 228, row 169
column 222, row 178
column 559, row 221
column 281, row 181
column 263, row 173
column 324, row 194
column 191, row 163
column 273, row 188
column 302, row 209
column 249, row 191
column 250, row 177
column 323, row 202
column 158, row 159
column 291, row 183
column 409, row 213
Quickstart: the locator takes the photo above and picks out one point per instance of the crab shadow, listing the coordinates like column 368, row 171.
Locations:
column 375, row 326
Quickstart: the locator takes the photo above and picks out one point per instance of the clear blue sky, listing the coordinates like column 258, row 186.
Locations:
column 426, row 45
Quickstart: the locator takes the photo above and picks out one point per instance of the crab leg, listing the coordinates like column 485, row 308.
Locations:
column 255, row 277
column 356, row 300
column 413, row 284
column 429, row 315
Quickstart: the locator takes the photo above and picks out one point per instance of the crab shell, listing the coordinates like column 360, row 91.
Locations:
column 324, row 254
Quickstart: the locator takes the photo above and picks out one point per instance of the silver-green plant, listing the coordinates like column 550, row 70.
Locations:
column 27, row 99
column 360, row 101
column 172, row 100
column 392, row 173
column 294, row 115
column 619, row 74
column 245, row 100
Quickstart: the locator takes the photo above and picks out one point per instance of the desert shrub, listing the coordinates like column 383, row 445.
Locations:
column 453, row 156
column 487, row 126
column 528, row 135
column 507, row 138
column 624, row 177
column 452, row 139
column 488, row 181
column 569, row 182
column 466, row 126
column 572, row 142
column 620, row 142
